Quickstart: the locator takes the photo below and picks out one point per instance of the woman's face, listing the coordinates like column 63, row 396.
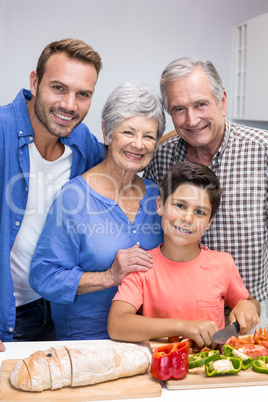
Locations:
column 133, row 143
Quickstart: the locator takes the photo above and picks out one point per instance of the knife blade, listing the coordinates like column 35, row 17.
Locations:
column 224, row 334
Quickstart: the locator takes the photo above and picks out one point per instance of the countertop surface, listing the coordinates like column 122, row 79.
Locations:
column 19, row 350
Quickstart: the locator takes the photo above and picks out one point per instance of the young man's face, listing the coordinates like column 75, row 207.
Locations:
column 196, row 116
column 63, row 97
column 185, row 216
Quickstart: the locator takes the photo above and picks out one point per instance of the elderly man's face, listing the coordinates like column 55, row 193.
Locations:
column 197, row 117
column 63, row 97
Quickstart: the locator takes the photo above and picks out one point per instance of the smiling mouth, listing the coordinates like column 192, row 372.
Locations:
column 179, row 229
column 197, row 130
column 133, row 155
column 62, row 117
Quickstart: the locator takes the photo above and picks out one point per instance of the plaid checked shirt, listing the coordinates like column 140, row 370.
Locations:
column 240, row 225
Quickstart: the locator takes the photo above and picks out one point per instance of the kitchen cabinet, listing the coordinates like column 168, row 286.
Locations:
column 251, row 70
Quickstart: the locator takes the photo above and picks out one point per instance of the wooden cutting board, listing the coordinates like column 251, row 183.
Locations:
column 199, row 380
column 139, row 386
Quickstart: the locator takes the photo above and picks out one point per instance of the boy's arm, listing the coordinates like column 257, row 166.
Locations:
column 247, row 313
column 125, row 325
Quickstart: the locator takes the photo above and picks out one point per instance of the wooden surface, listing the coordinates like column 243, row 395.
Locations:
column 140, row 386
column 199, row 380
column 155, row 343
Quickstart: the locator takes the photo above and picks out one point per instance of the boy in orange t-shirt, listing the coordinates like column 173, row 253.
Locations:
column 185, row 291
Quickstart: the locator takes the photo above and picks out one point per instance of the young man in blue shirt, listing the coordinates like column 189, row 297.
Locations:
column 43, row 144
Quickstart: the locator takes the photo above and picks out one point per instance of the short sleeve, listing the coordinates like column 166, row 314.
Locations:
column 131, row 290
column 236, row 290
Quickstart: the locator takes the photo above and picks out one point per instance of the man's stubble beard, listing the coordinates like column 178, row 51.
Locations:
column 42, row 115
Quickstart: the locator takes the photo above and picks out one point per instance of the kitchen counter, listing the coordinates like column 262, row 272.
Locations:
column 19, row 350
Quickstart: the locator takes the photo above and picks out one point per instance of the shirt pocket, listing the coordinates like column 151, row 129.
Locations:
column 211, row 310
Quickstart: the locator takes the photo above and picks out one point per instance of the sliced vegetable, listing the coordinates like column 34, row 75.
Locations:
column 229, row 351
column 173, row 339
column 233, row 341
column 170, row 361
column 254, row 351
column 225, row 365
column 261, row 335
column 203, row 358
column 260, row 365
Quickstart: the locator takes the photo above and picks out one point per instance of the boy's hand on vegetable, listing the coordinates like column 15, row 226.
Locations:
column 201, row 332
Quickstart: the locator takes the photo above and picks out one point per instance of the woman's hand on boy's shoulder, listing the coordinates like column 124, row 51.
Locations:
column 129, row 260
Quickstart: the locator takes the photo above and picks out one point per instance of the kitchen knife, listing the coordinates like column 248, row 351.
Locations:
column 224, row 334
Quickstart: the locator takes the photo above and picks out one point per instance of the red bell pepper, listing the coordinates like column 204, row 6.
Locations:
column 170, row 361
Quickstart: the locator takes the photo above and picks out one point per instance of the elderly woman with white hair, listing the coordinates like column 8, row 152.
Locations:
column 102, row 223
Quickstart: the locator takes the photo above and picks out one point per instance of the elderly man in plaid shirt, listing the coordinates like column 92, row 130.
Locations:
column 194, row 96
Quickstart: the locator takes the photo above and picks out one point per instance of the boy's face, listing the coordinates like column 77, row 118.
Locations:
column 185, row 215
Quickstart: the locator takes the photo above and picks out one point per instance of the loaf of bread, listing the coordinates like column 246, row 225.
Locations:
column 78, row 365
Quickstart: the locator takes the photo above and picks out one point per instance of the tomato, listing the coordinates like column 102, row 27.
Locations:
column 247, row 339
column 254, row 351
column 233, row 341
column 205, row 349
column 252, row 345
column 173, row 339
column 265, row 344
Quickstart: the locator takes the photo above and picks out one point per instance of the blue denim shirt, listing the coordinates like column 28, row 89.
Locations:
column 83, row 232
column 15, row 134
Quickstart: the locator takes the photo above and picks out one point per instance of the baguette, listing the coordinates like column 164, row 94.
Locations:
column 78, row 365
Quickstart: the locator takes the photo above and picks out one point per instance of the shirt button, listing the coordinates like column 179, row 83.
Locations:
column 138, row 243
column 10, row 329
column 26, row 188
column 134, row 231
column 31, row 138
column 20, row 132
column 17, row 223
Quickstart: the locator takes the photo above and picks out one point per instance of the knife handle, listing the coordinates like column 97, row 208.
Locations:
column 237, row 326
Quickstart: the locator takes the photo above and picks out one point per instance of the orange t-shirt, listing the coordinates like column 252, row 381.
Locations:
column 192, row 290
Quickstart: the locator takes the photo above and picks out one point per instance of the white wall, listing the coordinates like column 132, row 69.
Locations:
column 135, row 38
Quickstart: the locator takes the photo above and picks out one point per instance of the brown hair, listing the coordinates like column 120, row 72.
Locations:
column 74, row 48
column 195, row 174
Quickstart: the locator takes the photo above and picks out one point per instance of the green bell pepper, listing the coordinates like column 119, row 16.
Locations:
column 229, row 351
column 216, row 367
column 260, row 365
column 203, row 358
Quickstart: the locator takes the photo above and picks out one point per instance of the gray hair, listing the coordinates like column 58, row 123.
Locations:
column 131, row 100
column 184, row 66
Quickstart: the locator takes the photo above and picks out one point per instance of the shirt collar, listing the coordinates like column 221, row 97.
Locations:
column 22, row 116
column 25, row 130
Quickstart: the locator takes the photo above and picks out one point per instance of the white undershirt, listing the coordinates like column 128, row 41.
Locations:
column 45, row 180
